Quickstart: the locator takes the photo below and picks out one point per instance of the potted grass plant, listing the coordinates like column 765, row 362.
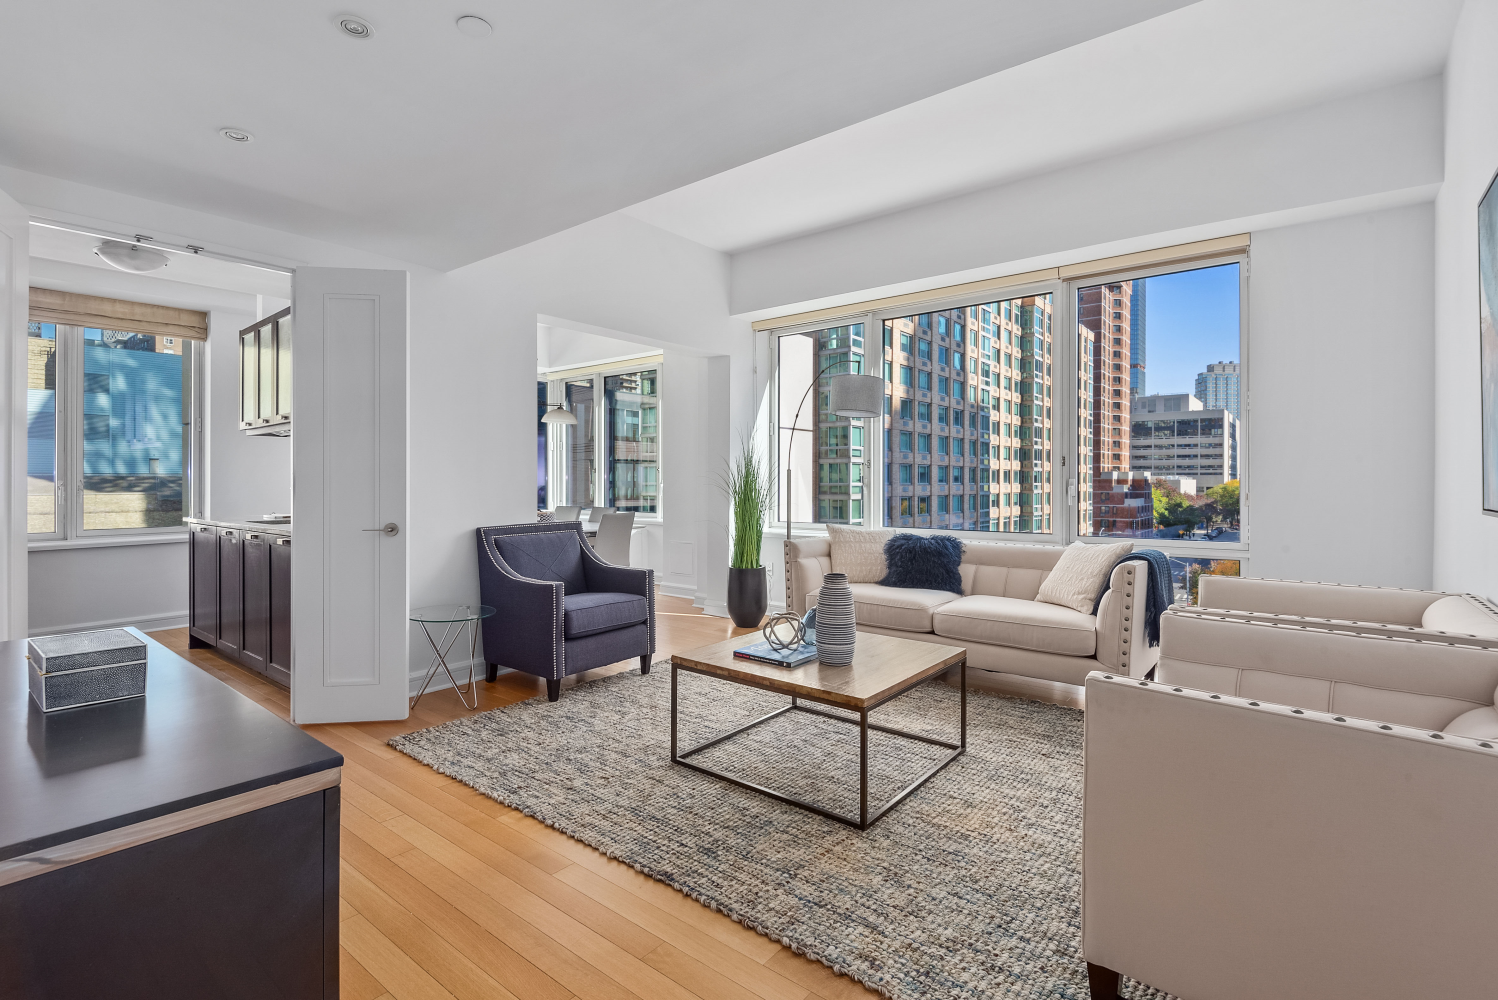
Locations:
column 750, row 487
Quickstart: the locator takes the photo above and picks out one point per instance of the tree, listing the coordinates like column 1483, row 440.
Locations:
column 1225, row 499
column 1174, row 508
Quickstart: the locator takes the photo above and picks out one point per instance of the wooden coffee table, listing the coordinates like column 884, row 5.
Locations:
column 883, row 667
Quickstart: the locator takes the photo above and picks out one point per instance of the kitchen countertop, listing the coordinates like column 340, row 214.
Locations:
column 283, row 528
column 82, row 771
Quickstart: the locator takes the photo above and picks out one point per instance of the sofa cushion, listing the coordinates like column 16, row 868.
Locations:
column 587, row 614
column 859, row 552
column 896, row 607
column 924, row 562
column 1459, row 614
column 1479, row 724
column 1007, row 621
column 1079, row 575
column 545, row 555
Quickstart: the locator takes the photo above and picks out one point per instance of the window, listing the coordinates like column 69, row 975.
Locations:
column 905, row 343
column 923, row 380
column 108, row 411
column 923, row 412
column 541, row 445
column 1179, row 334
column 923, row 443
column 581, row 444
column 905, row 375
column 923, row 349
column 905, row 441
column 632, row 445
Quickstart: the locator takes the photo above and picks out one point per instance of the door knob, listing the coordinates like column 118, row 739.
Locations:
column 389, row 529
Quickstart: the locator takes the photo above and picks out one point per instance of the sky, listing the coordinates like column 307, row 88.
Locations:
column 1191, row 320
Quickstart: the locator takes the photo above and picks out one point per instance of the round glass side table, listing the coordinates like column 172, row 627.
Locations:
column 454, row 619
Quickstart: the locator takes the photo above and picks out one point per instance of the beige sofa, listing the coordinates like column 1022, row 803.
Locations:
column 1293, row 808
column 1026, row 646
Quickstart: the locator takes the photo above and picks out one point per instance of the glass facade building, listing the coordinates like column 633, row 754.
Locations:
column 1217, row 388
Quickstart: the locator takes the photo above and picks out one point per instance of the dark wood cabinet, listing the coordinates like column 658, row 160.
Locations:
column 239, row 594
column 279, row 667
column 255, row 553
column 230, row 592
column 202, row 586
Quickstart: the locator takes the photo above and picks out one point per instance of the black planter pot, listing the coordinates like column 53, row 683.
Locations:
column 747, row 599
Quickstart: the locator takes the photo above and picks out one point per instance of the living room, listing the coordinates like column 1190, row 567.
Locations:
column 699, row 193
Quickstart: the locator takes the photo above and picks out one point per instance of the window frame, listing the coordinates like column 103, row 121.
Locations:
column 1064, row 423
column 68, row 462
column 556, row 435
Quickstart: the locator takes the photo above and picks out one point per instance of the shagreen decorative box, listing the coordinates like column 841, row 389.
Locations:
column 85, row 668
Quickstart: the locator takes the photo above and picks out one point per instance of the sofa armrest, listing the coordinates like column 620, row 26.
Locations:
column 1406, row 680
column 1340, row 601
column 806, row 560
column 1338, row 625
column 603, row 576
column 1121, row 641
column 1234, row 852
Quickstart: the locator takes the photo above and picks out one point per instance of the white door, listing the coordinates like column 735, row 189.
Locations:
column 348, row 458
column 14, row 253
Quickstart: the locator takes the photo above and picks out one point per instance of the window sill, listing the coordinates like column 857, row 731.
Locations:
column 106, row 541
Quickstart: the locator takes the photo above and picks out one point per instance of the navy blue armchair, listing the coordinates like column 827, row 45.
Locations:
column 559, row 608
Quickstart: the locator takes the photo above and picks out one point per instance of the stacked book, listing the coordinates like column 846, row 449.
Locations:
column 763, row 652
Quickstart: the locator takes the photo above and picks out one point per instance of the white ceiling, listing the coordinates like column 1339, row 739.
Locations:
column 434, row 147
column 1209, row 64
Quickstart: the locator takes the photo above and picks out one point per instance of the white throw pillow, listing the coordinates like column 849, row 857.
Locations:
column 1079, row 574
column 859, row 552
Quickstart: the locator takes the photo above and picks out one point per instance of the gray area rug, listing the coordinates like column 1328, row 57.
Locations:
column 969, row 888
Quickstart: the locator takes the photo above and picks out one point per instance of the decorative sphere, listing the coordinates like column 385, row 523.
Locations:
column 784, row 631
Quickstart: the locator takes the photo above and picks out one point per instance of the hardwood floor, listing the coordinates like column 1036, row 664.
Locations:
column 448, row 895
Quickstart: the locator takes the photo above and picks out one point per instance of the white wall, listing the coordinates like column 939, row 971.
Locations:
column 246, row 476
column 83, row 588
column 1342, row 409
column 1372, row 150
column 1466, row 540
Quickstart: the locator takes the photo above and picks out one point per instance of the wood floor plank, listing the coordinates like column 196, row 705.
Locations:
column 815, row 976
column 691, row 941
column 344, row 909
column 727, row 930
column 400, row 774
column 372, row 805
column 697, row 977
column 484, row 911
column 618, row 964
column 354, row 980
column 444, row 963
column 403, row 978
column 503, row 946
column 383, row 839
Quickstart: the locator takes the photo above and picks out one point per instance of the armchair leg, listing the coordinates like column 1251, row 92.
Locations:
column 491, row 671
column 553, row 689
column 645, row 664
column 1103, row 983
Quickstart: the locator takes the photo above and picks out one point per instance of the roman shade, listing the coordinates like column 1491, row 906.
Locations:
column 71, row 309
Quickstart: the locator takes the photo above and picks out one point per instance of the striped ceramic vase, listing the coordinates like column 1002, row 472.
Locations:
column 835, row 621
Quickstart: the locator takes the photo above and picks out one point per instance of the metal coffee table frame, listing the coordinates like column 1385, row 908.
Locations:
column 864, row 819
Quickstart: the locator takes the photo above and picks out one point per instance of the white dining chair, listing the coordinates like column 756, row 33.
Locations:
column 614, row 534
column 567, row 513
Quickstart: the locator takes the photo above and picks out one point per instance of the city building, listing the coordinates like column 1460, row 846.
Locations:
column 1175, row 435
column 968, row 421
column 1217, row 388
column 1106, row 318
column 839, row 449
column 1137, row 339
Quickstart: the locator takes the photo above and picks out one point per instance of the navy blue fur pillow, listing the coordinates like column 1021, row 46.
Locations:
column 924, row 562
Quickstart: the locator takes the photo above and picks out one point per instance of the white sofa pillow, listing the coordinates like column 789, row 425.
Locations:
column 859, row 552
column 1079, row 574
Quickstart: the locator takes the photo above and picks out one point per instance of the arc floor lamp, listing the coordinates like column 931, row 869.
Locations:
column 849, row 396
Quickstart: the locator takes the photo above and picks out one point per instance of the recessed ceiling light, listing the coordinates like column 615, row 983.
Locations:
column 236, row 135
column 474, row 27
column 130, row 256
column 355, row 27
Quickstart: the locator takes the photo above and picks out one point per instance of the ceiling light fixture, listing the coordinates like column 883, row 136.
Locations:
column 130, row 256
column 474, row 26
column 355, row 27
column 558, row 415
column 236, row 135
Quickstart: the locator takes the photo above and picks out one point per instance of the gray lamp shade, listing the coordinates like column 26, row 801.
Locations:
column 857, row 395
column 558, row 415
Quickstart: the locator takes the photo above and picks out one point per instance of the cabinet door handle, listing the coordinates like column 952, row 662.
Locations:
column 252, row 537
column 283, row 541
column 390, row 529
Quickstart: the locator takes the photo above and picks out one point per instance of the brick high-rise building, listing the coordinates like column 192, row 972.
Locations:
column 1106, row 333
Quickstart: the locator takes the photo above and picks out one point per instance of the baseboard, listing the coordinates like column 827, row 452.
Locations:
column 155, row 624
column 687, row 590
column 440, row 681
